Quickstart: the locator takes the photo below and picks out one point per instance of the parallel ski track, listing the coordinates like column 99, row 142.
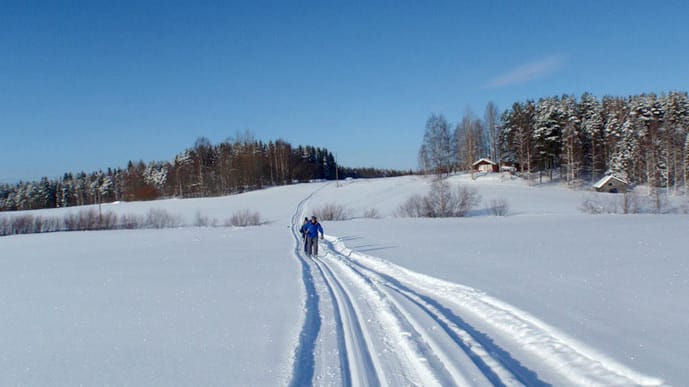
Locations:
column 304, row 361
column 428, row 351
column 352, row 336
column 357, row 367
column 494, row 364
column 428, row 342
column 498, row 367
column 565, row 360
column 358, row 360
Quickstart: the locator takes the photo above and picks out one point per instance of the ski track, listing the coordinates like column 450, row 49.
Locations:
column 499, row 368
column 351, row 334
column 397, row 327
column 304, row 361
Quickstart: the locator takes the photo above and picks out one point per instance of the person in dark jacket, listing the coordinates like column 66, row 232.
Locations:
column 302, row 230
column 312, row 230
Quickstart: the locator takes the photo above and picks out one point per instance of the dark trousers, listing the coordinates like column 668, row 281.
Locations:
column 312, row 246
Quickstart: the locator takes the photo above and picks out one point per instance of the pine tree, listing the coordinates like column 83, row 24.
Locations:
column 571, row 138
column 622, row 163
column 676, row 107
column 647, row 113
column 592, row 128
column 48, row 194
column 686, row 164
column 614, row 112
column 517, row 133
column 547, row 134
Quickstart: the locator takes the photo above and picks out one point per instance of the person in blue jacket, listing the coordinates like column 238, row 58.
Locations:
column 312, row 230
column 302, row 230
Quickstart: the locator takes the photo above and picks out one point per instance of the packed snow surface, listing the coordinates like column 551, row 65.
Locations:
column 544, row 296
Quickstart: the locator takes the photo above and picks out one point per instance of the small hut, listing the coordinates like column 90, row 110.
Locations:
column 485, row 165
column 611, row 184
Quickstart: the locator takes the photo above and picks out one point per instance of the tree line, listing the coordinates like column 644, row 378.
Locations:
column 233, row 166
column 643, row 139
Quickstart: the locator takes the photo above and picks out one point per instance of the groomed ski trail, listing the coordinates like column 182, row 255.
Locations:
column 394, row 327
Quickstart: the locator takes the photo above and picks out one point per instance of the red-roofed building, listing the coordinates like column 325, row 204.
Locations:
column 485, row 165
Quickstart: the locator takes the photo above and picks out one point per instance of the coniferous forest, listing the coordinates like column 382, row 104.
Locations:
column 643, row 139
column 233, row 166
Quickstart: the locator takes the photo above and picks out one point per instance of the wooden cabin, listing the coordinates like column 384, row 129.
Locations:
column 485, row 165
column 611, row 184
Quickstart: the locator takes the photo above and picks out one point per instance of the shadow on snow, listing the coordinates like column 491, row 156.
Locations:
column 303, row 367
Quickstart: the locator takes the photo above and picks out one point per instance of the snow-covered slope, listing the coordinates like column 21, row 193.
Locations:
column 547, row 295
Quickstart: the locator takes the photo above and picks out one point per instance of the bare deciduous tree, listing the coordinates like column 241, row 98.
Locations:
column 491, row 117
column 442, row 201
column 436, row 153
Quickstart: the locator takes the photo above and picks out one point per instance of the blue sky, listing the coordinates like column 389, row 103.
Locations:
column 86, row 85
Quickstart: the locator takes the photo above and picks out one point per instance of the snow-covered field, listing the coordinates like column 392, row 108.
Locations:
column 546, row 295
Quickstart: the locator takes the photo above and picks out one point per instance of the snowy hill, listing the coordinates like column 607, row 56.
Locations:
column 546, row 295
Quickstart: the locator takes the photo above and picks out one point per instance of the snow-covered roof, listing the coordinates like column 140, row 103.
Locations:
column 484, row 160
column 602, row 182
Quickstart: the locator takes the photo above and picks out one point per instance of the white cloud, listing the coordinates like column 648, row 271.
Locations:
column 528, row 72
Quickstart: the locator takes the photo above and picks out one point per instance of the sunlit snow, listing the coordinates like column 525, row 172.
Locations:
column 545, row 295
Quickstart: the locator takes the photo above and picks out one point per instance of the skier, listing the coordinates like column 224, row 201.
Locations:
column 302, row 230
column 312, row 231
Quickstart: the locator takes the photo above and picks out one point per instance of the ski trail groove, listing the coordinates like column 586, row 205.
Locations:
column 345, row 372
column 303, row 369
column 364, row 305
column 492, row 369
column 389, row 325
column 444, row 367
column 549, row 350
column 304, row 358
column 502, row 370
column 362, row 371
column 439, row 362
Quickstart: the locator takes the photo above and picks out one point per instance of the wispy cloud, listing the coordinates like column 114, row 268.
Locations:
column 528, row 72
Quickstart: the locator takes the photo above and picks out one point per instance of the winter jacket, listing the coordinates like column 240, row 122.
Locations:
column 312, row 230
